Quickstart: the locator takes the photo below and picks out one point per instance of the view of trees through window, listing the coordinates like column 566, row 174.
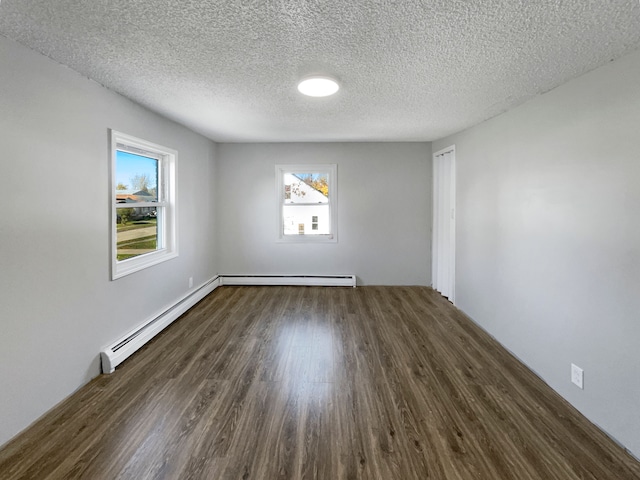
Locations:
column 317, row 181
column 136, row 213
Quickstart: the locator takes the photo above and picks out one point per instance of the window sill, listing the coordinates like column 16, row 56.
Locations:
column 132, row 265
column 307, row 239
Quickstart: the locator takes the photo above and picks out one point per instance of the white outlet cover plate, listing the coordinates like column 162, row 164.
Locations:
column 577, row 376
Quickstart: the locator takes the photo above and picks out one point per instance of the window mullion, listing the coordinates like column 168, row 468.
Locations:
column 140, row 204
column 305, row 204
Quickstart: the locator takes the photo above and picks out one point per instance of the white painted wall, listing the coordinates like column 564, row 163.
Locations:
column 58, row 307
column 548, row 238
column 384, row 212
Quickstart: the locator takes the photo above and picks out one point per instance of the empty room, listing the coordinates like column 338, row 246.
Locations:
column 295, row 239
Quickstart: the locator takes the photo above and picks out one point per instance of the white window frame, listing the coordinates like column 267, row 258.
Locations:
column 165, row 206
column 331, row 170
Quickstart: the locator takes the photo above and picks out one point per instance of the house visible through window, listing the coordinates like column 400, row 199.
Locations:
column 143, row 220
column 307, row 202
column 136, row 219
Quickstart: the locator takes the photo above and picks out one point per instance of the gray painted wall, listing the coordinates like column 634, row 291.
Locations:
column 58, row 307
column 548, row 238
column 384, row 211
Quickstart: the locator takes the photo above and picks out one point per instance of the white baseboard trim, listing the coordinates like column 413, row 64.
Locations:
column 302, row 280
column 123, row 348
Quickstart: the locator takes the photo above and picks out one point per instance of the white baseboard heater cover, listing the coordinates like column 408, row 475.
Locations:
column 304, row 280
column 126, row 346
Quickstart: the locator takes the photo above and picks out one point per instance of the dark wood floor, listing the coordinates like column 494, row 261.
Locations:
column 328, row 383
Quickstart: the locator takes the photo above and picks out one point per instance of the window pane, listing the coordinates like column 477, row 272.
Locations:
column 137, row 231
column 306, row 188
column 136, row 178
column 306, row 220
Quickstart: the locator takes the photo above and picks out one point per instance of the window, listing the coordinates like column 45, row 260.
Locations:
column 307, row 203
column 143, row 223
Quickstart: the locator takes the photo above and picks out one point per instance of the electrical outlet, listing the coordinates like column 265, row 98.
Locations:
column 577, row 376
column 190, row 282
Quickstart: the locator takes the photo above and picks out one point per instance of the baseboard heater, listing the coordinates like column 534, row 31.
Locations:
column 303, row 280
column 126, row 346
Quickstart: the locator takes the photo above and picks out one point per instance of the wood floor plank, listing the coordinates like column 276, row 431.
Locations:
column 318, row 383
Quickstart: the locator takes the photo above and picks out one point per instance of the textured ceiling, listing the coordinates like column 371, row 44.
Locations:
column 409, row 69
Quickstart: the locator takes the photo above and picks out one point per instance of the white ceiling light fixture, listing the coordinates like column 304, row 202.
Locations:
column 318, row 86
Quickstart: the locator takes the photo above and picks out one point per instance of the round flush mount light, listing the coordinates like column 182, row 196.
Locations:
column 318, row 86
